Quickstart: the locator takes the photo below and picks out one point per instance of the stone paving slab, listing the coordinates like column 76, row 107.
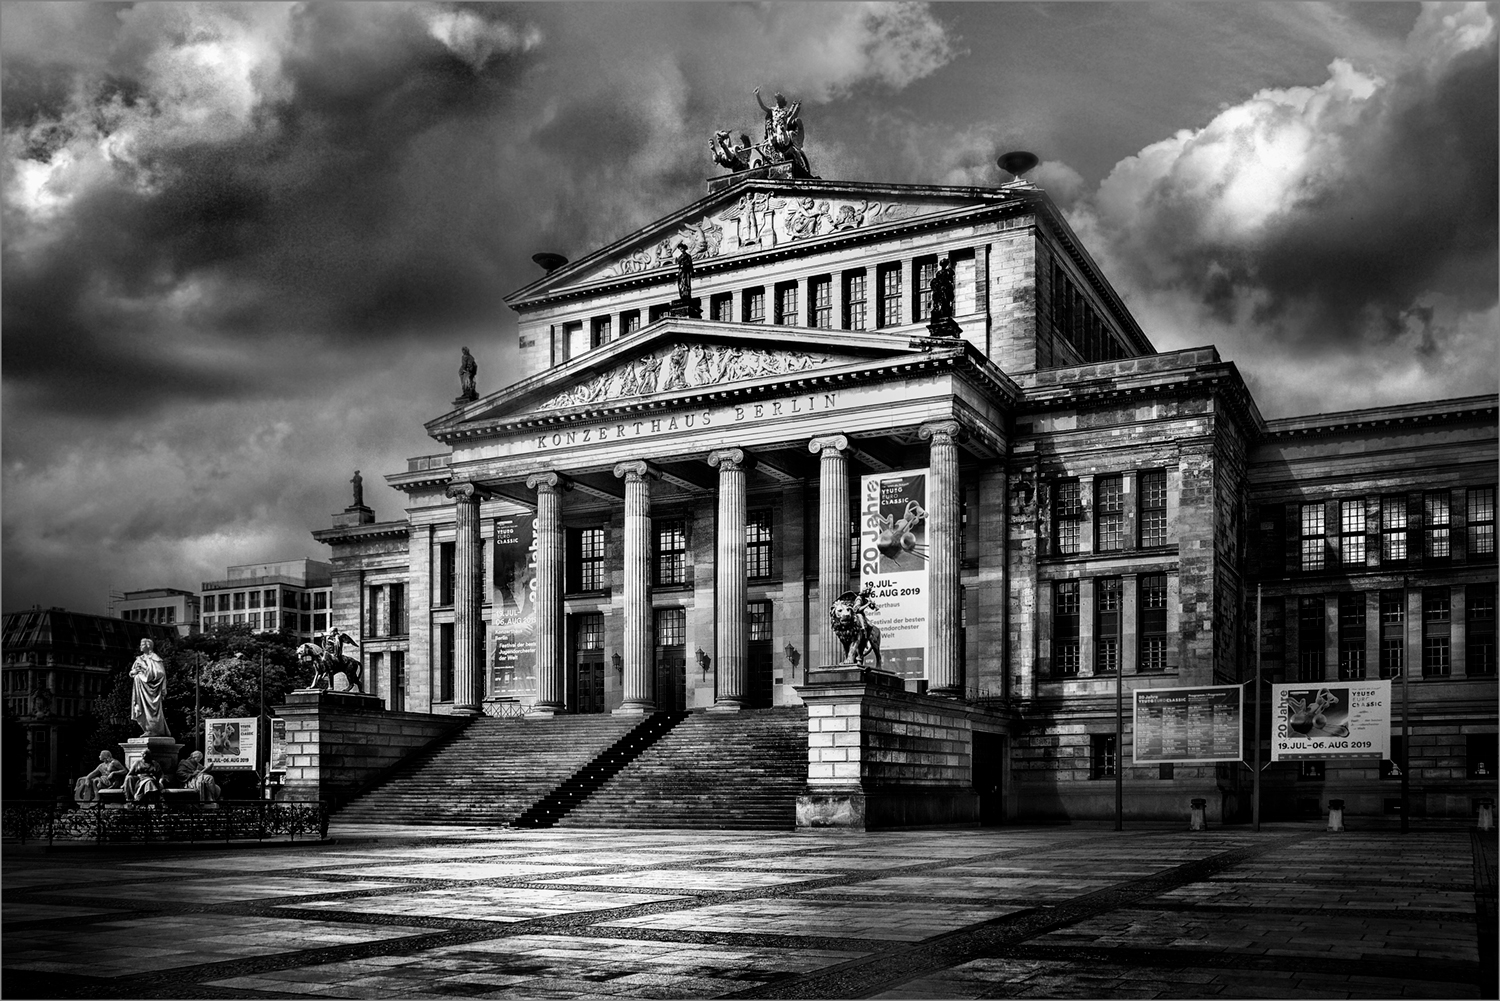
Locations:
column 483, row 903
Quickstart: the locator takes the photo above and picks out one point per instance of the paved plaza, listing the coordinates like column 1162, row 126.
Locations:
column 387, row 912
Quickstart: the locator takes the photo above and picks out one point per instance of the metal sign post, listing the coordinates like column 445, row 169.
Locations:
column 1255, row 778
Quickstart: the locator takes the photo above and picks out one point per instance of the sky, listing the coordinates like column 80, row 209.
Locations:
column 242, row 245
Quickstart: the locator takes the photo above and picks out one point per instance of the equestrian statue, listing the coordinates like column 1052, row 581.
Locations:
column 328, row 659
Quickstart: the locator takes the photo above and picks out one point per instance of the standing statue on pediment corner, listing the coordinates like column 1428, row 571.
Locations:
column 684, row 262
column 468, row 369
column 358, row 482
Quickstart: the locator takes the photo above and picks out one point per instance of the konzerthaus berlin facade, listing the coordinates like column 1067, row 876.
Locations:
column 658, row 509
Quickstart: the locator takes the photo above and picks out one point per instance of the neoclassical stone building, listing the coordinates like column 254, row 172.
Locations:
column 658, row 509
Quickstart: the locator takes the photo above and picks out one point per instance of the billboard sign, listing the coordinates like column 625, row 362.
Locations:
column 232, row 744
column 1344, row 719
column 278, row 745
column 893, row 536
column 1189, row 725
column 513, row 654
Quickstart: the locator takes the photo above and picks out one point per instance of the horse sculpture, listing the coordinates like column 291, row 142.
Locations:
column 852, row 628
column 328, row 659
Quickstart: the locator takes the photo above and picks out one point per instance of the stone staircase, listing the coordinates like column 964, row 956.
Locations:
column 605, row 766
column 489, row 773
column 741, row 770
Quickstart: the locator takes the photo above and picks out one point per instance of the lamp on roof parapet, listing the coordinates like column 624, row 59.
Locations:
column 549, row 262
column 1016, row 163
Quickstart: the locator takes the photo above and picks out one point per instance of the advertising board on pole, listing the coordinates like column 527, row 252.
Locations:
column 893, row 565
column 1189, row 725
column 278, row 745
column 513, row 657
column 1344, row 719
column 233, row 744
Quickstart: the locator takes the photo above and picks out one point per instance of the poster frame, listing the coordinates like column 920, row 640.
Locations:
column 1136, row 729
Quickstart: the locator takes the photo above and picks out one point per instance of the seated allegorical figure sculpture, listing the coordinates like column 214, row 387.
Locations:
column 108, row 775
column 143, row 782
column 192, row 773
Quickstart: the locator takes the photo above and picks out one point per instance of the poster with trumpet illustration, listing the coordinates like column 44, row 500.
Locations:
column 1344, row 719
column 893, row 566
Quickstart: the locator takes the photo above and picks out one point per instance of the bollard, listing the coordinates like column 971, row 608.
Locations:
column 1335, row 815
column 1486, row 815
column 1200, row 819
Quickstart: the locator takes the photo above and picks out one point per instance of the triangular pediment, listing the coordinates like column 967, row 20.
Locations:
column 756, row 217
column 677, row 359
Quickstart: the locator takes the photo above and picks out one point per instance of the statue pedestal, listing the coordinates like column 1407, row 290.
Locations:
column 328, row 698
column 944, row 326
column 684, row 308
column 164, row 751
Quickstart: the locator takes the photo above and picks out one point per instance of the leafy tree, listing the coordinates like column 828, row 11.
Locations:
column 227, row 662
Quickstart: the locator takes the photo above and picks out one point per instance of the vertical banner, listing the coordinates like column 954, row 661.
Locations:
column 893, row 564
column 1343, row 719
column 233, row 744
column 1188, row 725
column 278, row 746
column 513, row 656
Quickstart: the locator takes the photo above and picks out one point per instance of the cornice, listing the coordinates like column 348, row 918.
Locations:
column 1462, row 410
column 360, row 533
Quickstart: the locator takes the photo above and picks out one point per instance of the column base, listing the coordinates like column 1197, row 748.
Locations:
column 947, row 693
column 465, row 711
column 634, row 709
column 725, row 707
column 540, row 711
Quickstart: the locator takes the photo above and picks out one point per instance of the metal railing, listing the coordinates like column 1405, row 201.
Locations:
column 227, row 821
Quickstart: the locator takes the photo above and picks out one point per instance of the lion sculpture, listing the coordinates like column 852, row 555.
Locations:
column 851, row 627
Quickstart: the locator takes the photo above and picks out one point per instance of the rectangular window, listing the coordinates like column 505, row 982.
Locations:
column 1352, row 636
column 786, row 304
column 320, row 621
column 1153, row 623
column 1481, row 522
column 1109, row 513
column 758, row 544
column 758, row 615
column 754, row 305
column 603, row 331
column 1065, row 628
column 630, row 322
column 657, row 311
column 1067, row 517
column 239, row 619
column 721, row 307
column 1102, row 756
column 1392, row 529
column 671, row 627
column 1153, row 508
column 1479, row 630
column 1352, row 532
column 254, row 620
column 445, row 662
column 589, row 573
column 320, row 600
column 398, row 609
column 890, row 296
column 924, row 268
column 856, row 304
column 288, row 600
column 239, row 600
column 591, row 632
column 1107, row 592
column 253, row 597
column 1437, row 621
column 1312, row 536
column 671, row 552
column 1436, row 506
column 378, row 611
column 820, row 308
column 1310, row 629
column 576, row 339
column 270, row 620
column 270, row 598
column 447, row 573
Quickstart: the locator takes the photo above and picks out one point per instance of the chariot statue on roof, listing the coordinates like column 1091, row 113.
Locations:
column 781, row 142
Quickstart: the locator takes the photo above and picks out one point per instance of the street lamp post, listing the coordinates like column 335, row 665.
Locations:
column 1406, row 712
column 198, row 699
column 1255, row 778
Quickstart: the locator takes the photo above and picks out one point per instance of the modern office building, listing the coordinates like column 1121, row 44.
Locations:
column 659, row 510
column 166, row 606
column 290, row 595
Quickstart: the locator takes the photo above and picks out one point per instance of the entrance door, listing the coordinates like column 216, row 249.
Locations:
column 758, row 681
column 671, row 659
column 989, row 772
column 589, row 663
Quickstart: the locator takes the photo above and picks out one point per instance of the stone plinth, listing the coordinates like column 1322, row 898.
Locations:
column 164, row 752
column 354, row 516
column 879, row 756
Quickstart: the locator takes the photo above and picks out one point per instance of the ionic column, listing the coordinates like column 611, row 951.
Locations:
column 466, row 614
column 833, row 534
column 640, row 675
column 732, row 638
column 944, row 673
column 549, row 591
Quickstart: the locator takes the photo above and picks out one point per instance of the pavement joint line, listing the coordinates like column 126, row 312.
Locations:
column 1406, row 914
column 871, row 975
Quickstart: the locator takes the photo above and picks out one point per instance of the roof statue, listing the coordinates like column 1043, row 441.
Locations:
column 468, row 368
column 781, row 142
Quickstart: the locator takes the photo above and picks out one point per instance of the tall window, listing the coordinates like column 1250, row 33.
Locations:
column 1352, row 532
column 239, row 600
column 925, row 268
column 1482, row 522
column 1153, row 623
column 446, row 555
column 758, row 544
column 786, row 303
column 856, row 296
column 603, row 333
column 1065, row 628
column 630, row 322
column 445, row 662
column 820, row 309
column 1154, row 508
column 1107, row 625
column 1312, row 536
column 1393, row 529
column 671, row 552
column 576, row 339
column 1479, row 629
column 890, row 296
column 320, row 600
column 1438, row 543
column 590, row 566
column 1102, row 755
column 1352, row 636
column 378, row 609
column 721, row 307
column 1310, row 628
column 1392, row 633
column 1067, row 517
column 1437, row 621
column 1109, row 513
column 758, row 614
column 671, row 627
column 755, row 305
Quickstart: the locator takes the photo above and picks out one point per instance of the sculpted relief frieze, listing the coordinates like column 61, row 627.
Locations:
column 682, row 367
column 763, row 221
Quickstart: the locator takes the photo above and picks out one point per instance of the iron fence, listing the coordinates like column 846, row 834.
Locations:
column 226, row 821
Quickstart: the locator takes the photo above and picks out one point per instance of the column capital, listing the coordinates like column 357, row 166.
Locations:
column 466, row 491
column 636, row 470
column 551, row 481
column 730, row 458
column 941, row 431
column 829, row 443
